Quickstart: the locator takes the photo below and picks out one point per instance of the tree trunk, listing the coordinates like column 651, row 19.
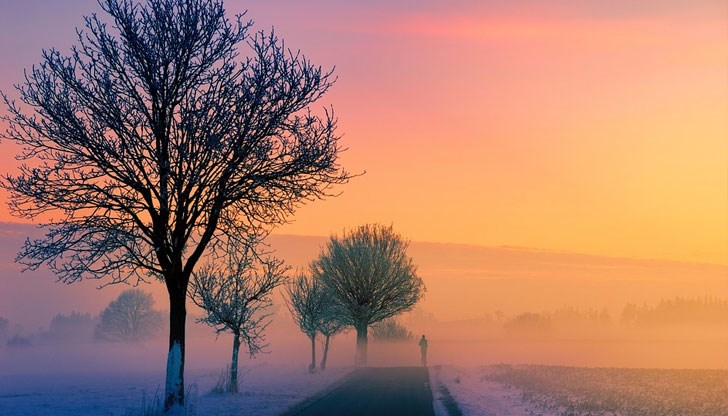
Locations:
column 174, row 393
column 312, row 367
column 234, row 366
column 326, row 352
column 361, row 345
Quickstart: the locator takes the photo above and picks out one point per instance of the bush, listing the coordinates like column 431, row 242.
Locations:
column 391, row 330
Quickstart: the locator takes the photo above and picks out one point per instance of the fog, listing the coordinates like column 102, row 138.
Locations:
column 482, row 306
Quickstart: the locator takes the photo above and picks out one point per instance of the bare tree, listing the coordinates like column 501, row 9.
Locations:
column 165, row 131
column 237, row 297
column 370, row 277
column 306, row 301
column 130, row 317
column 329, row 326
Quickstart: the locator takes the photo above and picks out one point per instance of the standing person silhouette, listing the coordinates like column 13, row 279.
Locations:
column 423, row 350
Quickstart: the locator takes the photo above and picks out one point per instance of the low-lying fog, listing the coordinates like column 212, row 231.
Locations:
column 482, row 306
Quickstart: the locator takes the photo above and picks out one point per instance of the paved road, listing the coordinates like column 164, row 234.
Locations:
column 396, row 391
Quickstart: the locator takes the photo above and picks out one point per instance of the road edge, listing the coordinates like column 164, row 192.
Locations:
column 309, row 401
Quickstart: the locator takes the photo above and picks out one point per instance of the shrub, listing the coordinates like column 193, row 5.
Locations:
column 391, row 330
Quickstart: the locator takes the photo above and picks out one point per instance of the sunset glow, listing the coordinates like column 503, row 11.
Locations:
column 521, row 206
column 571, row 128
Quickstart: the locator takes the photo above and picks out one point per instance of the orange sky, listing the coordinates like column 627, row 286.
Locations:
column 599, row 128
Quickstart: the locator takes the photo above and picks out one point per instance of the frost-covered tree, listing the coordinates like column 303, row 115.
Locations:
column 306, row 301
column 370, row 278
column 131, row 317
column 236, row 296
column 166, row 130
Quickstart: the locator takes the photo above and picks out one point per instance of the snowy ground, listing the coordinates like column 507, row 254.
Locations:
column 265, row 390
column 515, row 390
column 476, row 396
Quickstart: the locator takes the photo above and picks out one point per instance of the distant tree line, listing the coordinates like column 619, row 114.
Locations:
column 130, row 317
column 568, row 318
column 75, row 326
column 678, row 310
column 675, row 311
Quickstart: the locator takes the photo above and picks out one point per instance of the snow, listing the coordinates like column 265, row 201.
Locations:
column 477, row 396
column 265, row 389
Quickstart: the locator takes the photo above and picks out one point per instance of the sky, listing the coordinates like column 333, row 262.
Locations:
column 587, row 127
column 536, row 129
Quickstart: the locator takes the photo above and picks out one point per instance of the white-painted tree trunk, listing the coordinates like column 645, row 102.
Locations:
column 174, row 377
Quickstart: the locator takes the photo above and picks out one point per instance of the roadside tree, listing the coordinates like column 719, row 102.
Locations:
column 329, row 326
column 369, row 277
column 236, row 296
column 166, row 131
column 306, row 301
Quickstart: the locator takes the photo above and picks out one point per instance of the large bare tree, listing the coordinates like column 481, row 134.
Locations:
column 236, row 296
column 370, row 278
column 167, row 129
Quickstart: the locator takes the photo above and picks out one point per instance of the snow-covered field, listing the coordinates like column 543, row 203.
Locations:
column 115, row 380
column 265, row 390
column 475, row 395
column 506, row 390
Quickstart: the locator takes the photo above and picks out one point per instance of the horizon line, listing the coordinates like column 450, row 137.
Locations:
column 476, row 245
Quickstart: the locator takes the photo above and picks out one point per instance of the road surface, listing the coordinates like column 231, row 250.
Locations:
column 398, row 391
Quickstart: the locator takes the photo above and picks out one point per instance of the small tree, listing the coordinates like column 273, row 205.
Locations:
column 307, row 303
column 329, row 326
column 168, row 129
column 370, row 278
column 131, row 317
column 237, row 297
column 391, row 330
